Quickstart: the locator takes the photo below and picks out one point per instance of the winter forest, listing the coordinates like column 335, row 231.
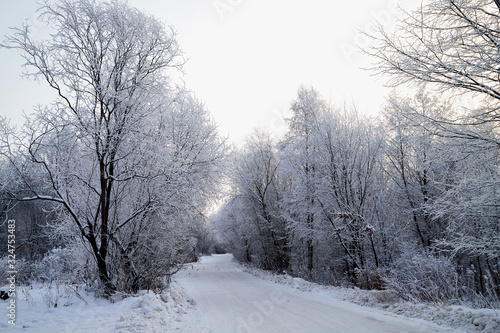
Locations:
column 124, row 178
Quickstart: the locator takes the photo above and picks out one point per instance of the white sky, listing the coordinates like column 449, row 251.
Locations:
column 247, row 58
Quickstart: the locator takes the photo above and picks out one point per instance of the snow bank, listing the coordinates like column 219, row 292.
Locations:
column 71, row 308
column 156, row 313
column 460, row 318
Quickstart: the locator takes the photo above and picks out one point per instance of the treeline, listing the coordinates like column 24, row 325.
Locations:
column 394, row 202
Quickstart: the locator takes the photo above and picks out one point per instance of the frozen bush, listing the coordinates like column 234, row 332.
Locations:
column 71, row 264
column 22, row 267
column 371, row 279
column 425, row 277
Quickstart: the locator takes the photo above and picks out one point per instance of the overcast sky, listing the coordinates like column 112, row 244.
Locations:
column 247, row 58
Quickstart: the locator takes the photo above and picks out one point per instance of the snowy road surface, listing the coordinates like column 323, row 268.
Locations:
column 230, row 300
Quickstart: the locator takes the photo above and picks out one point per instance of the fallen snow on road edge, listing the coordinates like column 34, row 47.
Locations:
column 55, row 307
column 460, row 318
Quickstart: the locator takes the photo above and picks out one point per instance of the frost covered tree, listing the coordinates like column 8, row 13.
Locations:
column 350, row 184
column 445, row 189
column 256, row 204
column 332, row 174
column 452, row 43
column 31, row 241
column 129, row 159
column 299, row 170
column 452, row 46
column 419, row 162
column 311, row 203
column 471, row 205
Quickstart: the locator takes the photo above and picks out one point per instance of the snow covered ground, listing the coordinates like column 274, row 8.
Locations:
column 457, row 318
column 79, row 311
column 218, row 295
column 231, row 300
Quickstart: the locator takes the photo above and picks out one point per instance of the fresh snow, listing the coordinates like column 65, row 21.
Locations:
column 79, row 311
column 459, row 318
column 231, row 300
column 219, row 295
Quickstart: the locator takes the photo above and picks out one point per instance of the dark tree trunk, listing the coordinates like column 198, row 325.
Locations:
column 102, row 267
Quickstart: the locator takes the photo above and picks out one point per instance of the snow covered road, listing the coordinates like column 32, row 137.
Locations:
column 230, row 300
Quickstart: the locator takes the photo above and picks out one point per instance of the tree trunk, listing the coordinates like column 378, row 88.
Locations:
column 102, row 267
column 310, row 256
column 109, row 288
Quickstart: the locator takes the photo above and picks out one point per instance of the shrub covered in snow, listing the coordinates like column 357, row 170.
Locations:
column 71, row 264
column 23, row 269
column 425, row 277
column 371, row 279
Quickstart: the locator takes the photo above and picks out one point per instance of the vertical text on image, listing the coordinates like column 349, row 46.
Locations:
column 11, row 270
